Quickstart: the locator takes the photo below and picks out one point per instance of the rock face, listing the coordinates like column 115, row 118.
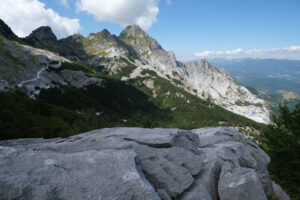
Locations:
column 135, row 163
column 29, row 69
column 200, row 78
column 218, row 86
column 6, row 32
column 149, row 49
column 44, row 38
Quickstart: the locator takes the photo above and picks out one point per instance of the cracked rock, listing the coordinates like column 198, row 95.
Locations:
column 136, row 163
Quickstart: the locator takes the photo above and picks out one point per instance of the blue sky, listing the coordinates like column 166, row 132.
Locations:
column 219, row 28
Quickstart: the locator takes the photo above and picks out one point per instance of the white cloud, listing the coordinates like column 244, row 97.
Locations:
column 124, row 12
column 292, row 52
column 169, row 2
column 23, row 16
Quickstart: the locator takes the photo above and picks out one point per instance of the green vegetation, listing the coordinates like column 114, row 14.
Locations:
column 128, row 39
column 124, row 71
column 177, row 82
column 241, row 103
column 186, row 110
column 22, row 117
column 70, row 66
column 281, row 140
column 131, row 55
column 115, row 98
column 146, row 54
column 65, row 111
column 102, row 53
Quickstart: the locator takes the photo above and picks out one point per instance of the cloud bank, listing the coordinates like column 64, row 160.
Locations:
column 23, row 16
column 292, row 53
column 124, row 12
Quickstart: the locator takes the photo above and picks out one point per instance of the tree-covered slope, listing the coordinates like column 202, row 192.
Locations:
column 148, row 101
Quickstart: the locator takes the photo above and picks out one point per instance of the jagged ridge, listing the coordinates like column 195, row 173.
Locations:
column 105, row 50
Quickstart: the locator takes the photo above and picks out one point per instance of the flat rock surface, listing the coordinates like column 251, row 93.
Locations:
column 136, row 163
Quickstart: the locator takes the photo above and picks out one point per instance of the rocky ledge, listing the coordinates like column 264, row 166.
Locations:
column 135, row 163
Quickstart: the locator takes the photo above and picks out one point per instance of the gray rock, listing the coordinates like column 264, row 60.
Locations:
column 279, row 193
column 206, row 183
column 43, row 38
column 240, row 183
column 163, row 194
column 79, row 79
column 82, row 175
column 136, row 163
column 187, row 140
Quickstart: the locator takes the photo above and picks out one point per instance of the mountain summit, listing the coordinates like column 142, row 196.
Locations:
column 138, row 39
column 200, row 78
column 42, row 36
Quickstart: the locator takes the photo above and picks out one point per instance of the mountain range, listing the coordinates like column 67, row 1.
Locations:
column 130, row 77
column 275, row 80
column 268, row 75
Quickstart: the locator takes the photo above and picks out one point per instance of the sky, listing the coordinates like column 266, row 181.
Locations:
column 193, row 29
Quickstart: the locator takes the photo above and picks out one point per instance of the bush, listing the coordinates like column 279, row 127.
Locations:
column 281, row 140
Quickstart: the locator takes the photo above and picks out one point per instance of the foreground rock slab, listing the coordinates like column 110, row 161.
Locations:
column 135, row 163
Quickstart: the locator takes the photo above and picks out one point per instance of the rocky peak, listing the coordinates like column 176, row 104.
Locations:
column 103, row 38
column 71, row 39
column 6, row 32
column 76, row 36
column 104, row 34
column 43, row 33
column 132, row 31
column 44, row 38
column 137, row 38
column 207, row 68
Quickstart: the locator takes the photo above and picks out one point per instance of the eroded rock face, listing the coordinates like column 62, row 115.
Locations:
column 43, row 37
column 135, row 163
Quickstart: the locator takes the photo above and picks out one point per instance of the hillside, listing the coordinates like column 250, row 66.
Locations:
column 103, row 82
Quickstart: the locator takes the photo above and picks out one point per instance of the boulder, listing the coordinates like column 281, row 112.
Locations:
column 240, row 183
column 136, row 163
